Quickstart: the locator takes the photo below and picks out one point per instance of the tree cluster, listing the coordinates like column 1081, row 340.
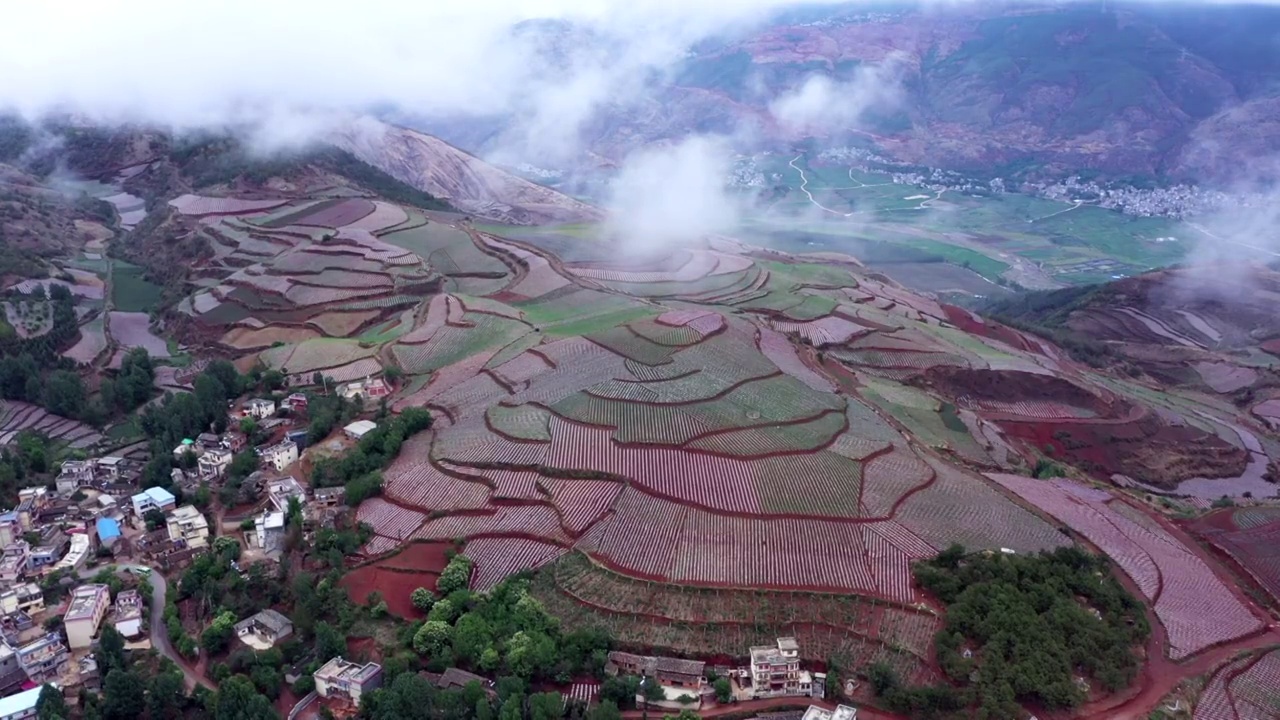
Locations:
column 1031, row 625
column 507, row 631
column 358, row 469
column 23, row 463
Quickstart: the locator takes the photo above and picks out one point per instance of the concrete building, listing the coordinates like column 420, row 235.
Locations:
column 686, row 675
column 128, row 614
column 330, row 496
column 369, row 388
column 75, row 474
column 88, row 605
column 775, row 670
column 77, row 552
column 110, row 468
column 108, row 532
column 842, row 712
column 260, row 408
column 214, row 462
column 359, row 429
column 297, row 402
column 187, row 446
column 23, row 597
column 153, row 499
column 44, row 658
column 279, row 456
column 281, row 490
column 263, row 630
column 342, row 679
column 268, row 531
column 234, row 440
column 20, row 706
column 10, row 529
column 14, row 562
column 188, row 525
column 11, row 675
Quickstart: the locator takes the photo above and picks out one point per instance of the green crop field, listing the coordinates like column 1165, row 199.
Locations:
column 129, row 291
column 868, row 216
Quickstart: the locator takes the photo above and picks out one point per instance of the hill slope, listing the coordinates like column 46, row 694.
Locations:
column 470, row 184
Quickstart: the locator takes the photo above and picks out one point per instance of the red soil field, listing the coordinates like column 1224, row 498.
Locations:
column 419, row 565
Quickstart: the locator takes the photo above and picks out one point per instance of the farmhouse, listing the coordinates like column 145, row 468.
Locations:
column 268, row 531
column 280, row 455
column 264, row 630
column 77, row 554
column 153, row 499
column 669, row 672
column 11, row 675
column 281, row 490
column 10, row 529
column 842, row 712
column 343, row 679
column 234, row 441
column 260, row 408
column 84, row 614
column 43, row 659
column 359, row 429
column 775, row 670
column 26, row 597
column 20, row 706
column 330, row 496
column 108, row 532
column 74, row 475
column 297, row 402
column 110, row 468
column 188, row 525
column 13, row 565
column 456, row 678
column 187, row 446
column 367, row 388
column 128, row 614
column 214, row 462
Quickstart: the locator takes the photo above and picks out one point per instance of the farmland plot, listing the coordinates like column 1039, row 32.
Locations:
column 132, row 329
column 496, row 558
column 1193, row 604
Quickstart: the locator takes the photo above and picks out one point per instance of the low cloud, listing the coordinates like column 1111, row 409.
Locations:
column 673, row 196
column 823, row 105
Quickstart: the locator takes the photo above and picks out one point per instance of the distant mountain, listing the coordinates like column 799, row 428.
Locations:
column 1145, row 90
column 465, row 181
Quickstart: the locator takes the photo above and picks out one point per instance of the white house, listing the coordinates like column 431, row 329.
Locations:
column 345, row 679
column 190, row 526
column 84, row 614
column 128, row 613
column 268, row 531
column 260, row 408
column 153, row 499
column 359, row 429
column 279, row 456
column 214, row 462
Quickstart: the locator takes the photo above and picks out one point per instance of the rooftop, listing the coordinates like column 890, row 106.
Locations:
column 340, row 669
column 842, row 712
column 360, row 428
column 787, row 644
column 108, row 528
column 21, row 704
column 650, row 665
column 269, row 619
column 110, row 461
column 157, row 495
column 260, row 402
column 271, row 520
column 187, row 514
column 83, row 601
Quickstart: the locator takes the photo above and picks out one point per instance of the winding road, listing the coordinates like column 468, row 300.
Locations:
column 159, row 633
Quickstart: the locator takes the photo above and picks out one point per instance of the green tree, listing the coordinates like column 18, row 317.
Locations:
column 472, row 634
column 530, row 654
column 123, row 696
column 651, row 691
column 422, row 599
column 456, row 575
column 330, row 642
column 238, row 700
column 432, row 638
column 214, row 639
column 443, row 611
column 64, row 393
column 724, row 690
column 546, row 706
column 605, row 710
column 166, row 695
column 50, row 705
column 110, row 650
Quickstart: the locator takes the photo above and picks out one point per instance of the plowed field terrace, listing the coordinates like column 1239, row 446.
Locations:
column 701, row 621
column 1197, row 609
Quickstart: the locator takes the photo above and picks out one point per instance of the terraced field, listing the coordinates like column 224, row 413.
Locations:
column 719, row 427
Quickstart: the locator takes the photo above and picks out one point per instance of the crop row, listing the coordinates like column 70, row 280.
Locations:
column 389, row 520
column 199, row 205
column 1194, row 605
column 496, row 558
column 532, row 521
column 782, row 353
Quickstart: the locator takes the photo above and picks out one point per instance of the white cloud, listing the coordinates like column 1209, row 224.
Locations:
column 665, row 197
column 822, row 104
